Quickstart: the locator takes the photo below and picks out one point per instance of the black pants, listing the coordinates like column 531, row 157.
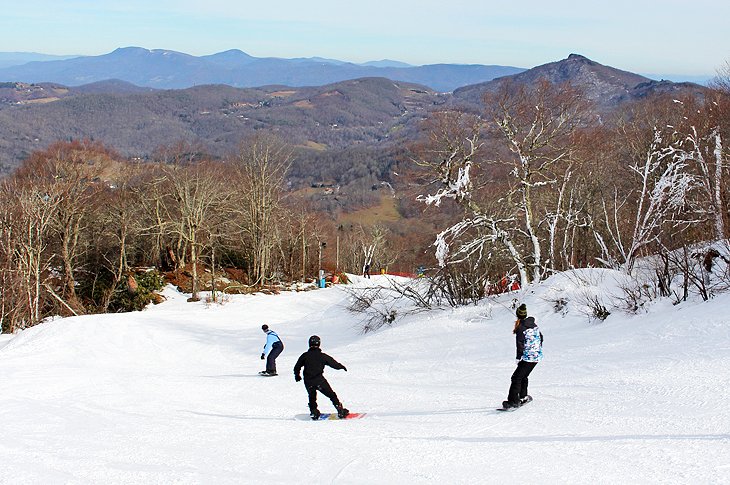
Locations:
column 518, row 388
column 324, row 387
column 276, row 349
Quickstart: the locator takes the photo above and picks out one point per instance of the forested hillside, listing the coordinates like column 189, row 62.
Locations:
column 214, row 118
column 238, row 189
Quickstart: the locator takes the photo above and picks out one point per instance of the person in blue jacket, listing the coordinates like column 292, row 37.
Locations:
column 274, row 346
column 529, row 352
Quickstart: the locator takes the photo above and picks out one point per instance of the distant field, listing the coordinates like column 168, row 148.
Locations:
column 386, row 211
column 315, row 145
column 40, row 100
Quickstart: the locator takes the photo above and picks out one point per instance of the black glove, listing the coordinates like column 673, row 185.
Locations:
column 297, row 378
column 262, row 357
column 344, row 368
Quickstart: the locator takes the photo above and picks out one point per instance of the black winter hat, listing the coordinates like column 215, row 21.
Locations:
column 314, row 341
column 264, row 327
column 521, row 311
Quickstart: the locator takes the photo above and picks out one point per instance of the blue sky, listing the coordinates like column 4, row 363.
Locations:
column 646, row 36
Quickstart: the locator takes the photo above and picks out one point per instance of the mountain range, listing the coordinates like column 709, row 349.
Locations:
column 8, row 59
column 364, row 119
column 167, row 69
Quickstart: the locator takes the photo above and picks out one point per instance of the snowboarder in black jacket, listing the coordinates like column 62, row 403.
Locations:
column 313, row 361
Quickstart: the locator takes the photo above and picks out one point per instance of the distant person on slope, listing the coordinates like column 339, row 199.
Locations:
column 529, row 353
column 313, row 361
column 274, row 346
column 366, row 270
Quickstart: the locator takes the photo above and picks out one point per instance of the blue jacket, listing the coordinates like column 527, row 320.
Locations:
column 529, row 341
column 271, row 339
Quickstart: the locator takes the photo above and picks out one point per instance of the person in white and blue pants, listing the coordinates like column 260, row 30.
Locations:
column 274, row 346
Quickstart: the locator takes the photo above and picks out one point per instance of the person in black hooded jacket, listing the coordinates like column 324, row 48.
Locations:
column 528, row 339
column 313, row 362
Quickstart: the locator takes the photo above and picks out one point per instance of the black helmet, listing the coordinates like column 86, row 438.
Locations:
column 314, row 341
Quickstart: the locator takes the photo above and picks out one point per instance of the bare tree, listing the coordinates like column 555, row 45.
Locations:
column 71, row 174
column 663, row 186
column 117, row 230
column 198, row 200
column 158, row 215
column 26, row 225
column 368, row 246
column 706, row 153
column 261, row 167
column 537, row 126
column 721, row 82
column 449, row 157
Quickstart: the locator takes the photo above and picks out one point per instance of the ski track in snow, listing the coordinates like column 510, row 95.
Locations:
column 172, row 395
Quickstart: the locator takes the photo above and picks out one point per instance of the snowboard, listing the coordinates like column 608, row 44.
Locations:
column 330, row 417
column 528, row 399
column 264, row 374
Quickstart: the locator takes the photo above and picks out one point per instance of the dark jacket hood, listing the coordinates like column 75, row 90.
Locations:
column 528, row 322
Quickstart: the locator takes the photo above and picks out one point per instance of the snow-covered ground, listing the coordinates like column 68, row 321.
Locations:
column 172, row 395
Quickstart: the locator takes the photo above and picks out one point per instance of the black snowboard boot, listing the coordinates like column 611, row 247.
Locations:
column 525, row 400
column 508, row 405
column 315, row 415
column 342, row 412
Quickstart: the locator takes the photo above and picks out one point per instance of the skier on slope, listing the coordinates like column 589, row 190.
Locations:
column 313, row 362
column 529, row 352
column 274, row 346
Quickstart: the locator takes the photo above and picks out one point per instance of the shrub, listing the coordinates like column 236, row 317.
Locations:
column 126, row 299
column 600, row 312
column 560, row 305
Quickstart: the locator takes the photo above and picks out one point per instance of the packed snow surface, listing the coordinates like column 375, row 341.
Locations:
column 171, row 395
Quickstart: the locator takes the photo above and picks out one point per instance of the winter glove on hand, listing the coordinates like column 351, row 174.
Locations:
column 262, row 357
column 297, row 378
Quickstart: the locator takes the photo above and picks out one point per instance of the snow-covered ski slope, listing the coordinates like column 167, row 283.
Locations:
column 172, row 395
